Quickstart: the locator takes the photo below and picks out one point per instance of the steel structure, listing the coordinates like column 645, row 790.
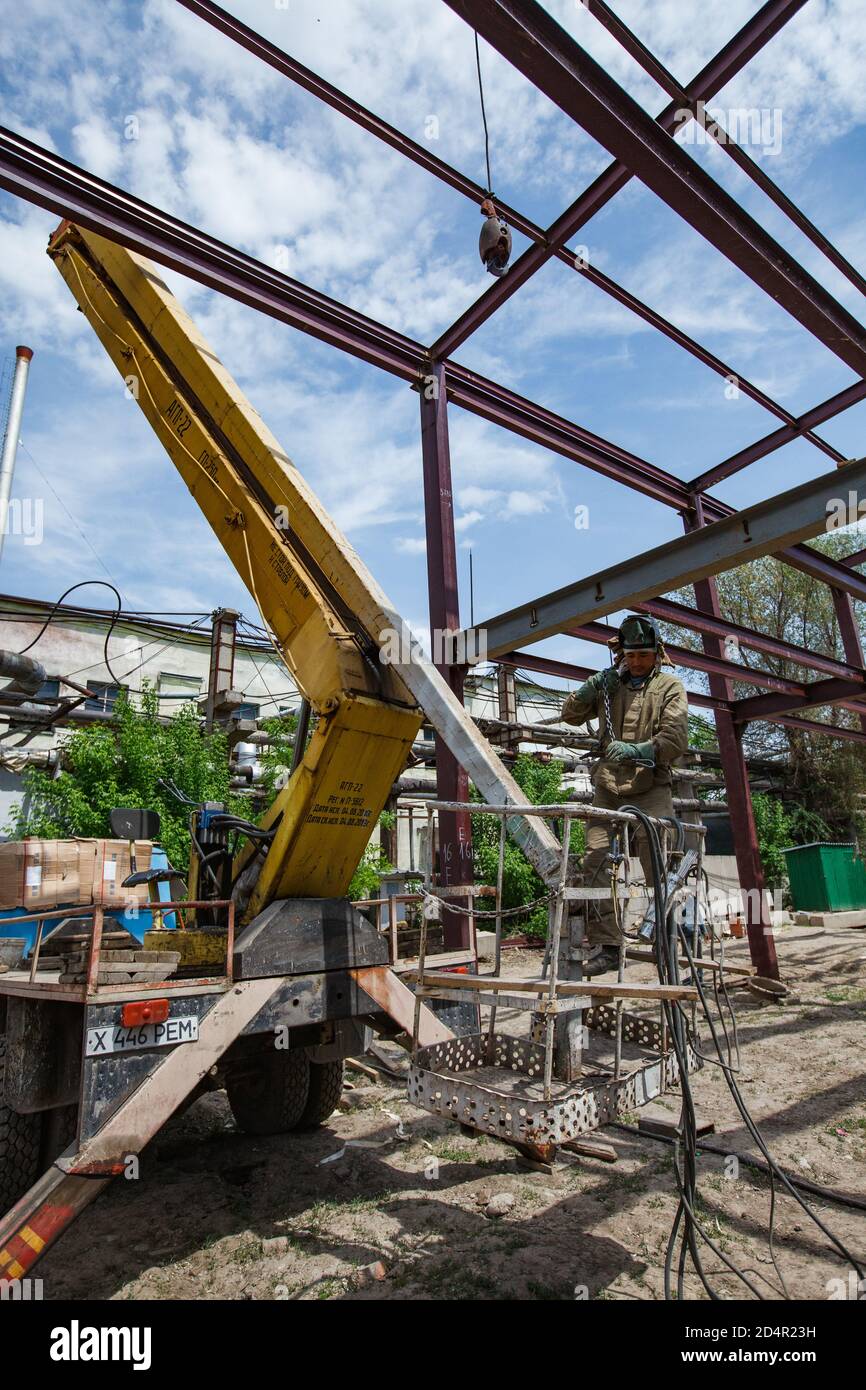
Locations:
column 527, row 36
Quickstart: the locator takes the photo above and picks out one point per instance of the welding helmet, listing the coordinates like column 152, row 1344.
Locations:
column 638, row 633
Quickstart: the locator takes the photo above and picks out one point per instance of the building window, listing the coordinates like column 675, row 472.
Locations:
column 248, row 711
column 176, row 689
column 104, row 696
column 48, row 690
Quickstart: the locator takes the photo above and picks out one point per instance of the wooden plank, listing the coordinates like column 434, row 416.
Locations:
column 592, row 1148
column 637, row 953
column 565, row 988
column 389, row 992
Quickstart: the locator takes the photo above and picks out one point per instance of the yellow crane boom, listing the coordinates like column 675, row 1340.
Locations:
column 328, row 616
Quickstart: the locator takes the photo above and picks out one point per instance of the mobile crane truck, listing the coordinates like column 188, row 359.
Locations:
column 298, row 961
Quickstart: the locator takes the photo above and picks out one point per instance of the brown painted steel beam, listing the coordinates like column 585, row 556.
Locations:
column 750, row 39
column 716, row 132
column 744, row 45
column 698, row 621
column 794, row 429
column 566, row 670
column 525, row 34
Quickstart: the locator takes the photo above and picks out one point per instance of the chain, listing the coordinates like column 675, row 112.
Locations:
column 505, row 912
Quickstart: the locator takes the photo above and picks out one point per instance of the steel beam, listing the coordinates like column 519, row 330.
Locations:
column 829, row 692
column 813, row 727
column 452, row 784
column 758, row 31
column 698, row 621
column 43, row 178
column 759, row 530
column 750, row 39
column 715, row 665
column 547, row 666
column 769, row 443
column 716, row 131
column 537, row 46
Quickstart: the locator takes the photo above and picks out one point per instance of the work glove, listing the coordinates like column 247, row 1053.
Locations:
column 608, row 679
column 619, row 752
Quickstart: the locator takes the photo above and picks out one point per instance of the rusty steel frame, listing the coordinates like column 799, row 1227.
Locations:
column 528, row 37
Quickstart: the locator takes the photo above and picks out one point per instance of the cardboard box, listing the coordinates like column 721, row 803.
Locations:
column 111, row 864
column 11, row 873
column 49, row 873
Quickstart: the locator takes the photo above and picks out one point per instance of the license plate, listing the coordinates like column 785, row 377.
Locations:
column 112, row 1038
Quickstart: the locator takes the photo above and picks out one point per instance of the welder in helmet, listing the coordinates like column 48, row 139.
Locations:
column 494, row 243
column 643, row 731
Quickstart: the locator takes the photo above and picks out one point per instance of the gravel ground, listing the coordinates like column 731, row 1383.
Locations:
column 389, row 1202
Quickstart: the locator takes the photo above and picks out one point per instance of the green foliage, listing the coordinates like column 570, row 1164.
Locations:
column 702, row 734
column 104, row 767
column 774, row 834
column 275, row 758
column 779, row 827
column 365, row 879
column 542, row 784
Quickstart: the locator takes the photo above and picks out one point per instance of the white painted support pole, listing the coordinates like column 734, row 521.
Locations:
column 23, row 356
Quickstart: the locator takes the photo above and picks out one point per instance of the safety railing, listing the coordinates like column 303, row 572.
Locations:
column 553, row 995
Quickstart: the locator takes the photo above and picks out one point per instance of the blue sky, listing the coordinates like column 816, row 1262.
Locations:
column 228, row 145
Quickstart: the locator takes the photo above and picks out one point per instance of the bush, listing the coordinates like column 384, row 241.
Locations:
column 120, row 765
column 542, row 784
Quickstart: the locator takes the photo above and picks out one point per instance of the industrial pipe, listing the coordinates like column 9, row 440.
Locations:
column 26, row 675
column 13, row 431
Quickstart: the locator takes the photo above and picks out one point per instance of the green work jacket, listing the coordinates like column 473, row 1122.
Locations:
column 658, row 711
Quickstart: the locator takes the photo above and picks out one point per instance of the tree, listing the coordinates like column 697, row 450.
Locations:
column 824, row 775
column 120, row 765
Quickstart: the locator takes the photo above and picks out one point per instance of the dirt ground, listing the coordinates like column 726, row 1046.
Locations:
column 216, row 1214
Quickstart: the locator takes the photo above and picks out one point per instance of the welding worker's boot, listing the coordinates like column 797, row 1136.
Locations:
column 600, row 959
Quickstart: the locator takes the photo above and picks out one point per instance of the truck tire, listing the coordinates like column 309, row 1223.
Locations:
column 20, row 1137
column 272, row 1098
column 326, row 1087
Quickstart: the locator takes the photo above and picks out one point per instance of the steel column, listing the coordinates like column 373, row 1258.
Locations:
column 762, row 947
column 452, row 784
column 849, row 631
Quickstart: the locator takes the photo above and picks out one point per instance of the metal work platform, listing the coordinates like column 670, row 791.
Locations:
column 545, row 1089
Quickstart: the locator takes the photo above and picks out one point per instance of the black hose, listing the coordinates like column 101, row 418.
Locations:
column 828, row 1194
column 685, row 1151
column 115, row 616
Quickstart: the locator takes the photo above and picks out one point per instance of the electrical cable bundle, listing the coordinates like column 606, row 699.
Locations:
column 687, row 1230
